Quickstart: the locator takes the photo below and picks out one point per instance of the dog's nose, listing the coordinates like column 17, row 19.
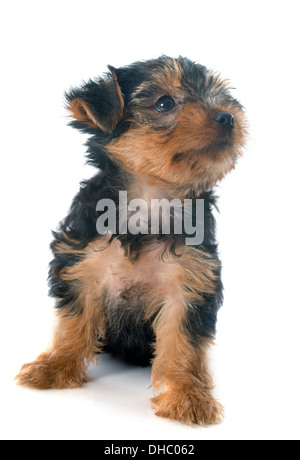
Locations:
column 225, row 119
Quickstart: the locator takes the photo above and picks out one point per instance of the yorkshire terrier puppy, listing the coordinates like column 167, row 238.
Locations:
column 161, row 131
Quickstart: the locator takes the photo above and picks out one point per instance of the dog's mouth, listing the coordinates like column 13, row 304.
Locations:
column 228, row 142
column 218, row 146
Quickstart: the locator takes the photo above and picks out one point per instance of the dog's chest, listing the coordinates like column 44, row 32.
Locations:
column 123, row 279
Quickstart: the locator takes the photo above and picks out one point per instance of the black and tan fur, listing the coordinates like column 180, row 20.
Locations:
column 144, row 298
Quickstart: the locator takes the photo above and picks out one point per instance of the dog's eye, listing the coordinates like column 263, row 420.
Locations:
column 165, row 104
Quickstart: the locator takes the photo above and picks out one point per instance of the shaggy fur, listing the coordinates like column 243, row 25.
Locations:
column 161, row 128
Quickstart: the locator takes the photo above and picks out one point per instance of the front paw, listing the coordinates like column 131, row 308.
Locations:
column 190, row 407
column 50, row 372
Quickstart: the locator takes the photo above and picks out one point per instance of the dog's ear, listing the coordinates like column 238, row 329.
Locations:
column 97, row 104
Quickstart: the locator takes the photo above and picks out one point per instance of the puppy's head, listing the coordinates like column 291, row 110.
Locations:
column 167, row 118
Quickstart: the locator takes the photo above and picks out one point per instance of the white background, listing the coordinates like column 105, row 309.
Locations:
column 47, row 46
